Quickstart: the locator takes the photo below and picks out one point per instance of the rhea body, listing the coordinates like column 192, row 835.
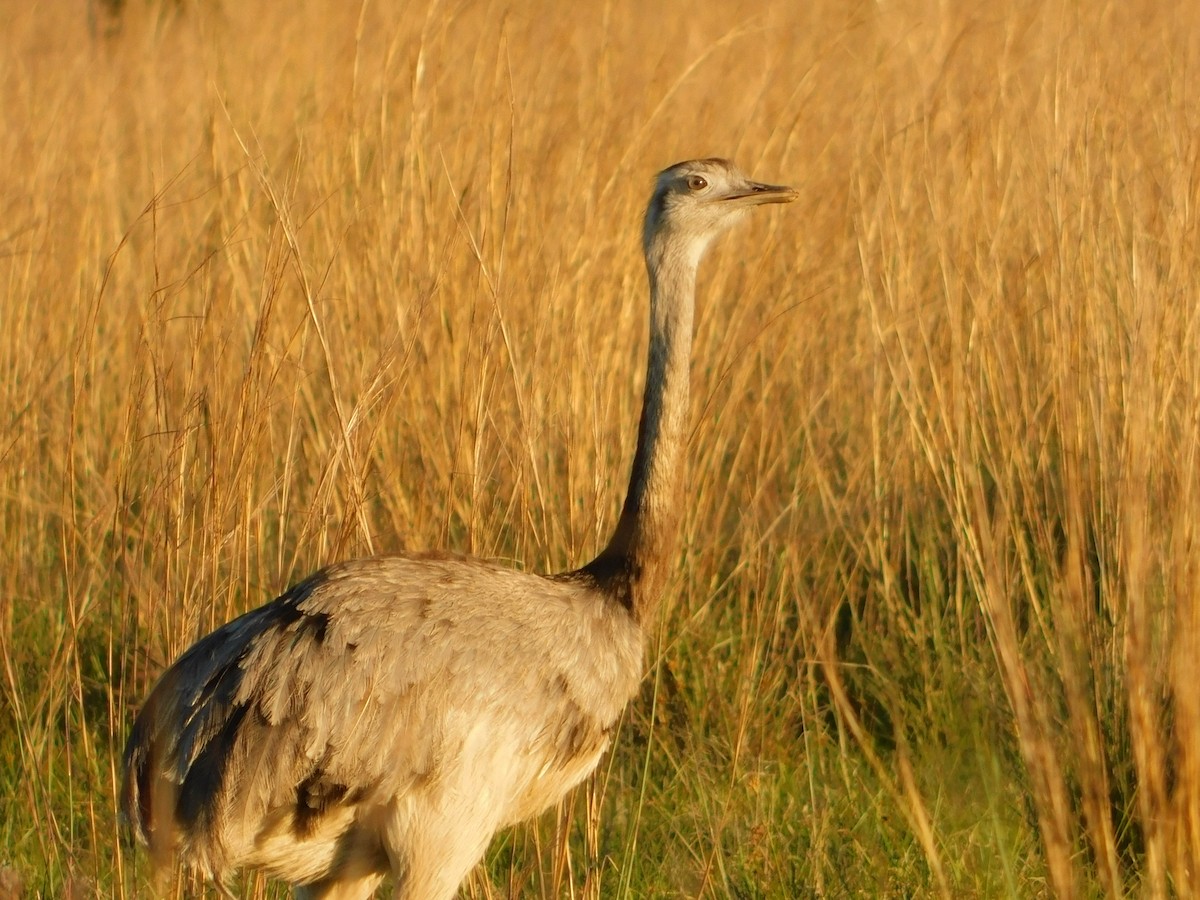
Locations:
column 390, row 714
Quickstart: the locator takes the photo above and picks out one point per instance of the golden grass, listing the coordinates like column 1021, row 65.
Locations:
column 285, row 284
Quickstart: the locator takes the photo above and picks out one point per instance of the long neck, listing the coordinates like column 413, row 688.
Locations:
column 633, row 565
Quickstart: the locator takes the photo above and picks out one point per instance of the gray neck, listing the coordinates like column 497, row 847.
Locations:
column 633, row 565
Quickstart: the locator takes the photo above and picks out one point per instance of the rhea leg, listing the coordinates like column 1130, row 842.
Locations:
column 339, row 889
column 431, row 856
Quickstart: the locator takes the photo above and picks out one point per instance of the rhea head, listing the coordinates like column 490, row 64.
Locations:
column 695, row 201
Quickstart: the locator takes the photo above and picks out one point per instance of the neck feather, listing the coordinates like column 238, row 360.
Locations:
column 633, row 565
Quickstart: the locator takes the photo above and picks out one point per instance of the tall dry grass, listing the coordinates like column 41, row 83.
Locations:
column 286, row 284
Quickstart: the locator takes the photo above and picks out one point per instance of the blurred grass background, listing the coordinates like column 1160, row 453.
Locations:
column 283, row 283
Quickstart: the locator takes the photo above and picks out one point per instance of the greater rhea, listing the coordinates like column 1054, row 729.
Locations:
column 390, row 714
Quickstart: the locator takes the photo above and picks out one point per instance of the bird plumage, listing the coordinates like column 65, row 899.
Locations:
column 390, row 714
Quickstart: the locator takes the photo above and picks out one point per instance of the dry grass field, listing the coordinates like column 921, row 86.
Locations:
column 285, row 283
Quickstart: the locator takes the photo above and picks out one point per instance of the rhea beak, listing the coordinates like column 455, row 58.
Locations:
column 756, row 194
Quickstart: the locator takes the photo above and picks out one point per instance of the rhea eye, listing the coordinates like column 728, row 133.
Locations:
column 696, row 183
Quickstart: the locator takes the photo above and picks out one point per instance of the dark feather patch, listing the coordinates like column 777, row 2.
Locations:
column 189, row 727
column 196, row 806
column 612, row 574
column 314, row 795
column 581, row 735
column 314, row 625
column 657, row 203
